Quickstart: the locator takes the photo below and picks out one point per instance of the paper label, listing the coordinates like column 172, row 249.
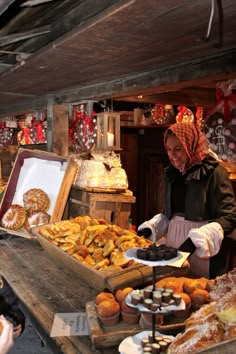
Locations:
column 69, row 324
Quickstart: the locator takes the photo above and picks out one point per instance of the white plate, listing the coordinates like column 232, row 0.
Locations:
column 164, row 310
column 132, row 345
column 132, row 254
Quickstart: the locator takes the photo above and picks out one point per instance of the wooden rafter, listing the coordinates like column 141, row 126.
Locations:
column 4, row 4
column 16, row 37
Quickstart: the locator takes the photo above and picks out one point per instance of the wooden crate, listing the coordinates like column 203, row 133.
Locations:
column 113, row 207
column 135, row 276
column 103, row 336
column 58, row 204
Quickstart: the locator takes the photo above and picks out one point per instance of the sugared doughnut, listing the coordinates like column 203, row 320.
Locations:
column 14, row 217
column 36, row 199
column 36, row 219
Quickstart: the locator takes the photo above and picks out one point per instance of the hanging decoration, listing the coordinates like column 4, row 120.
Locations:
column 185, row 115
column 220, row 124
column 6, row 134
column 199, row 117
column 33, row 129
column 158, row 113
column 82, row 130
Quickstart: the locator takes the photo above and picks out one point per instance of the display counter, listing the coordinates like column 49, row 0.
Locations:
column 44, row 290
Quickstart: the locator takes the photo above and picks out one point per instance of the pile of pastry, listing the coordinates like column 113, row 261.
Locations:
column 94, row 242
column 32, row 213
column 212, row 323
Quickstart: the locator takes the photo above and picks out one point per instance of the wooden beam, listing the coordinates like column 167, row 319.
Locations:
column 16, row 37
column 188, row 97
column 169, row 79
column 189, row 74
column 4, row 4
column 35, row 2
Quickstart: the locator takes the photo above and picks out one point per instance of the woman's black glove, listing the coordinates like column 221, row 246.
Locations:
column 144, row 232
column 188, row 246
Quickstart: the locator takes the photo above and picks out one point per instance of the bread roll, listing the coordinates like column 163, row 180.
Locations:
column 121, row 294
column 200, row 297
column 192, row 284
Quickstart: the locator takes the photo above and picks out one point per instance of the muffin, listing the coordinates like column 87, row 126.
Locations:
column 108, row 311
column 104, row 296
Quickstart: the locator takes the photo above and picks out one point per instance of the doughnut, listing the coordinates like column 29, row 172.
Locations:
column 36, row 219
column 36, row 199
column 14, row 217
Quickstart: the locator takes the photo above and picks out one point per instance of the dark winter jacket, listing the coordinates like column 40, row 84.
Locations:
column 209, row 194
column 209, row 197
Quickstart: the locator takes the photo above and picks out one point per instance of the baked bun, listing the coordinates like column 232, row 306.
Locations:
column 37, row 218
column 200, row 297
column 121, row 294
column 108, row 308
column 176, row 284
column 104, row 296
column 192, row 284
column 36, row 199
column 14, row 217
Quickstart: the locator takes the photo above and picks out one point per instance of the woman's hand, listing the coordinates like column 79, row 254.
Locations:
column 6, row 337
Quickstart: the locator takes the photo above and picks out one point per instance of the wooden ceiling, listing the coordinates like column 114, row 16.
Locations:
column 75, row 50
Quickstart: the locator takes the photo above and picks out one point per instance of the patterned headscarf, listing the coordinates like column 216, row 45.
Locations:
column 193, row 140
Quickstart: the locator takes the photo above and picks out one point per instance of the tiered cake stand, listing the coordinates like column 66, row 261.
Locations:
column 156, row 267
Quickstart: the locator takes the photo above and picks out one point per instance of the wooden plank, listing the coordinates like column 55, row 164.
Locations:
column 16, row 37
column 64, row 191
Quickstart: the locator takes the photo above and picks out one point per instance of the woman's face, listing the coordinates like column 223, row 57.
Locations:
column 176, row 152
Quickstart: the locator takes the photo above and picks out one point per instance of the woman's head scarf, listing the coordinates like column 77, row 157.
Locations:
column 193, row 140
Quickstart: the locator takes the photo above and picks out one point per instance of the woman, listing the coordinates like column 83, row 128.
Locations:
column 199, row 203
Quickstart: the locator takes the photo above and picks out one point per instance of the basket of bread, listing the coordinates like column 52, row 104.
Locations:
column 95, row 251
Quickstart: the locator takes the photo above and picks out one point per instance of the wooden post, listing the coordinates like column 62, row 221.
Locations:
column 61, row 129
